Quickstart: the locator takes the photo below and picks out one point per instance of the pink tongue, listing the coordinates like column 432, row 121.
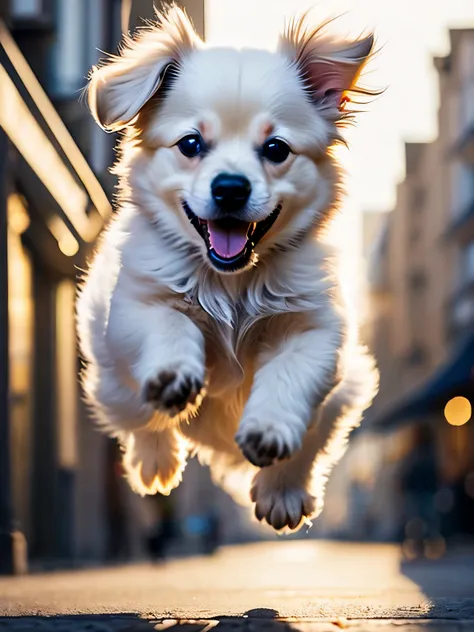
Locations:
column 227, row 241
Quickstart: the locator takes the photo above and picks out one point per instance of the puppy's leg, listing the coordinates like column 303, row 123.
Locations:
column 154, row 461
column 281, row 492
column 288, row 492
column 162, row 351
column 114, row 400
column 294, row 377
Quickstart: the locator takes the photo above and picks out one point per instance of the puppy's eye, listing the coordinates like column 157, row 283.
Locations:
column 191, row 145
column 275, row 150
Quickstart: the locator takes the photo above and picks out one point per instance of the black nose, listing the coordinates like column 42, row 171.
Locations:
column 230, row 192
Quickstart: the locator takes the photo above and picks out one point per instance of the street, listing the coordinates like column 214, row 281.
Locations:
column 293, row 585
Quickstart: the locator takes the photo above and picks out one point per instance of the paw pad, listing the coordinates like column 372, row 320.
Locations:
column 264, row 444
column 172, row 392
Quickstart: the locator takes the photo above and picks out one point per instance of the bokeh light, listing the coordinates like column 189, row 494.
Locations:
column 18, row 219
column 458, row 411
column 469, row 484
column 435, row 548
column 68, row 245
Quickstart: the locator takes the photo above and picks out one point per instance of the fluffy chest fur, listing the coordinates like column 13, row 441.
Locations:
column 238, row 314
column 243, row 316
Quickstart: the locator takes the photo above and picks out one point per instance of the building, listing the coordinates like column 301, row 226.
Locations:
column 421, row 312
column 53, row 206
column 60, row 490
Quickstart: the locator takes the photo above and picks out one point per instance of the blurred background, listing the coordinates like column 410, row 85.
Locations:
column 408, row 235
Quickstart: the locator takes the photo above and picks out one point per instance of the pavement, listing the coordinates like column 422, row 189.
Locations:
column 286, row 586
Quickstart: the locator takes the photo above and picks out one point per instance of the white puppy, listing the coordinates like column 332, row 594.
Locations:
column 211, row 319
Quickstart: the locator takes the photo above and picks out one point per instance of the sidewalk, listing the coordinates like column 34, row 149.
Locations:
column 314, row 586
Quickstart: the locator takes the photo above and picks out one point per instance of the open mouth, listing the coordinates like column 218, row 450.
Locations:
column 230, row 242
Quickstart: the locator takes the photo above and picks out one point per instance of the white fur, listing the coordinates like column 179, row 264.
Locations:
column 273, row 347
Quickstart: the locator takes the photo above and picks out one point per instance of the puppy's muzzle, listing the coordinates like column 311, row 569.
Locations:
column 230, row 239
column 230, row 242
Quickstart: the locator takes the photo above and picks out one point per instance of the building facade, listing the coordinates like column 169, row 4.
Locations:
column 61, row 489
column 54, row 202
column 420, row 323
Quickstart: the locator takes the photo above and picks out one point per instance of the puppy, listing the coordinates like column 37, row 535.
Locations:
column 212, row 319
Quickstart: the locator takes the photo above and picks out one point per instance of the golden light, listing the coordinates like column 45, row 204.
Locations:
column 458, row 411
column 67, row 243
column 56, row 125
column 66, row 375
column 18, row 219
column 30, row 140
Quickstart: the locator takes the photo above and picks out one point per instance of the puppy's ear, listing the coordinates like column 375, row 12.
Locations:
column 119, row 89
column 328, row 68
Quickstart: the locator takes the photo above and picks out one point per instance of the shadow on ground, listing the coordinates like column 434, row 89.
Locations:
column 447, row 583
column 262, row 619
column 258, row 620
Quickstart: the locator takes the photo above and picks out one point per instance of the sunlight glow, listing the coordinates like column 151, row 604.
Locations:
column 408, row 35
column 404, row 65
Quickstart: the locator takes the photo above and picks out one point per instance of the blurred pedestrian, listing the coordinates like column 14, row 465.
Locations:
column 164, row 529
column 419, row 484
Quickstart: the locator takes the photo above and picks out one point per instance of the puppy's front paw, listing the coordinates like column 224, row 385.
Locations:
column 265, row 443
column 280, row 505
column 172, row 391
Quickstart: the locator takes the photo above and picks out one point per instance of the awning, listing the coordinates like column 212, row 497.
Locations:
column 71, row 201
column 455, row 377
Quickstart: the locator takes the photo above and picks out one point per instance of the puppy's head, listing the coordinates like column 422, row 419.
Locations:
column 229, row 149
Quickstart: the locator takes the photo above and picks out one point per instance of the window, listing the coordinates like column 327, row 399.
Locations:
column 70, row 65
column 462, row 188
column 463, row 312
column 466, row 57
column 26, row 8
column 467, row 105
column 84, row 28
column 466, row 264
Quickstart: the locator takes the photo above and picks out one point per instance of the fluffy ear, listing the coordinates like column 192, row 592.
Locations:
column 329, row 68
column 119, row 89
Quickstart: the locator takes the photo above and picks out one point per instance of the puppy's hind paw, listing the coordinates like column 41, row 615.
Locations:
column 264, row 444
column 173, row 391
column 282, row 507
